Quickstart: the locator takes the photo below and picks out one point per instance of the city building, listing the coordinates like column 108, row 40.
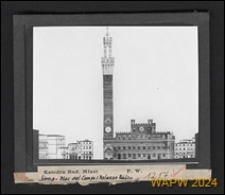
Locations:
column 74, row 151
column 81, row 150
column 185, row 149
column 54, row 143
column 142, row 142
column 49, row 146
column 53, row 147
column 62, row 152
column 43, row 146
column 86, row 149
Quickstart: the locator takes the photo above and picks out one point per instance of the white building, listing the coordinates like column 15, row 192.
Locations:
column 74, row 151
column 43, row 146
column 185, row 149
column 51, row 146
column 81, row 150
column 86, row 149
column 62, row 153
column 54, row 143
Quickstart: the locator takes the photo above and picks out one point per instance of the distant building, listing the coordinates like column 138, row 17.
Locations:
column 43, row 146
column 62, row 153
column 74, row 151
column 81, row 150
column 185, row 149
column 54, row 143
column 50, row 146
column 53, row 147
column 86, row 149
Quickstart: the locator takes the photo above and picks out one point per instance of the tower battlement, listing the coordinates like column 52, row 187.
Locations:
column 107, row 59
column 150, row 122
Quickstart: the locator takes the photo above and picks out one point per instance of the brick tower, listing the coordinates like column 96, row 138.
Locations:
column 107, row 67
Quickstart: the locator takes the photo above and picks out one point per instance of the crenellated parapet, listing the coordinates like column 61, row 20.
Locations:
column 123, row 133
column 143, row 124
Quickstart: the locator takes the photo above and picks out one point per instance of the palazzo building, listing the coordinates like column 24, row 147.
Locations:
column 50, row 146
column 81, row 150
column 185, row 148
column 142, row 142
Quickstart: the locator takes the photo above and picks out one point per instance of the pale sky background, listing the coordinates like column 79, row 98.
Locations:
column 155, row 77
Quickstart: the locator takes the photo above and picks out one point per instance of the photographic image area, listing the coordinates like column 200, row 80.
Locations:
column 116, row 92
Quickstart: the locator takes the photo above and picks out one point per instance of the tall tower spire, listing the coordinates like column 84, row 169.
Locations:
column 107, row 67
column 107, row 60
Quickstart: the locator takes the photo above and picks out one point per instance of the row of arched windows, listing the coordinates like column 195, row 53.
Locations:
column 140, row 147
column 138, row 156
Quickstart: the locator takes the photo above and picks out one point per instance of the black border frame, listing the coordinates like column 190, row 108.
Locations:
column 23, row 47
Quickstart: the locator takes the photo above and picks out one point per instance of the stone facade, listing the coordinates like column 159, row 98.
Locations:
column 81, row 150
column 141, row 143
column 185, row 149
column 86, row 149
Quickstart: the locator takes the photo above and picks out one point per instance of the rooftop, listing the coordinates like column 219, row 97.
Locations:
column 86, row 140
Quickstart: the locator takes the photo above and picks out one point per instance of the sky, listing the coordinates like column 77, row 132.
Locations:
column 155, row 77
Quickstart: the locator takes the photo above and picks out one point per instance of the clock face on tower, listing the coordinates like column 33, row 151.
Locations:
column 108, row 129
column 141, row 129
